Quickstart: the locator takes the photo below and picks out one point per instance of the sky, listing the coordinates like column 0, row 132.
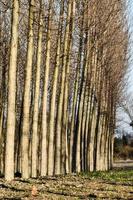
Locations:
column 130, row 25
column 125, row 120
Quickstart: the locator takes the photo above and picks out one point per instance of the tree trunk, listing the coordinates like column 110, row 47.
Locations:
column 65, row 159
column 75, row 100
column 11, row 116
column 27, row 87
column 54, row 93
column 36, row 100
column 47, row 157
column 60, row 105
column 80, row 118
column 1, row 139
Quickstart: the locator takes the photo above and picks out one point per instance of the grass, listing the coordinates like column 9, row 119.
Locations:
column 113, row 175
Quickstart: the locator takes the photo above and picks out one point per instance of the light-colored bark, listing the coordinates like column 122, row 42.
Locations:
column 1, row 138
column 52, row 113
column 1, row 124
column 112, row 151
column 106, row 142
column 98, row 155
column 11, row 116
column 60, row 105
column 54, row 92
column 65, row 160
column 92, row 136
column 26, row 104
column 36, row 100
column 100, row 117
column 102, row 146
column 87, row 133
column 47, row 157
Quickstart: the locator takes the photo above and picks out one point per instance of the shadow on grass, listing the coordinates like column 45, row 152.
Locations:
column 72, row 195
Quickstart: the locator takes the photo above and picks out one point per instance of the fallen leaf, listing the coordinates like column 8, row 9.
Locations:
column 34, row 191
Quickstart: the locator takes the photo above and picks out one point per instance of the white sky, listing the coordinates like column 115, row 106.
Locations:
column 129, row 85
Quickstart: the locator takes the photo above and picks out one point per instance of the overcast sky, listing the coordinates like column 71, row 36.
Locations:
column 130, row 21
column 129, row 85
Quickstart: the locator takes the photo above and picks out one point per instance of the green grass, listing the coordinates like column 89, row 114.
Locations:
column 113, row 175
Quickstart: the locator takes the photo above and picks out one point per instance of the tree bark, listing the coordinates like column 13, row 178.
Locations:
column 60, row 105
column 11, row 116
column 36, row 100
column 47, row 159
column 54, row 93
column 65, row 160
column 27, row 87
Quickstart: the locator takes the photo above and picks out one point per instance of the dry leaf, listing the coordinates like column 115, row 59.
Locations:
column 34, row 191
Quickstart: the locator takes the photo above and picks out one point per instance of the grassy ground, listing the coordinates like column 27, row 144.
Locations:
column 116, row 184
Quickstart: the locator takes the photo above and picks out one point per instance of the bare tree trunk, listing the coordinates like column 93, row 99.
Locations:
column 54, row 93
column 83, row 131
column 87, row 132
column 80, row 115
column 92, row 136
column 1, row 139
column 52, row 111
column 65, row 165
column 100, row 114
column 47, row 157
column 75, row 99
column 60, row 106
column 36, row 100
column 102, row 146
column 1, row 124
column 26, row 108
column 10, row 135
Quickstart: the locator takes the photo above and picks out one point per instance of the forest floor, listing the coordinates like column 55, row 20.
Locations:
column 116, row 184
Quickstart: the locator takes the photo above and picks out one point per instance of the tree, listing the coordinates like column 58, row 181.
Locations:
column 36, row 98
column 26, row 101
column 44, row 155
column 11, row 116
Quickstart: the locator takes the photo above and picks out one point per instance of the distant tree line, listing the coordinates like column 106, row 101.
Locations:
column 62, row 65
column 123, row 147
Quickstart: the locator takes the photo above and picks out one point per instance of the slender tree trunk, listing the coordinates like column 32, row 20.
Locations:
column 75, row 99
column 36, row 100
column 11, row 116
column 100, row 114
column 102, row 145
column 83, row 131
column 65, row 164
column 47, row 157
column 19, row 140
column 112, row 151
column 92, row 136
column 60, row 105
column 54, row 93
column 87, row 133
column 80, row 115
column 52, row 111
column 26, row 108
column 1, row 139
column 1, row 124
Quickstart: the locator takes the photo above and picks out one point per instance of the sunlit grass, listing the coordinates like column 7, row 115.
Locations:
column 113, row 175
